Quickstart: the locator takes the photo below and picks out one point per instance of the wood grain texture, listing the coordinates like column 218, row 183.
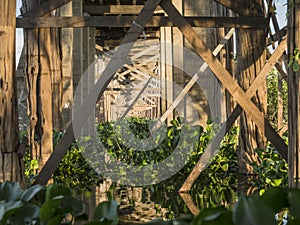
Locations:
column 10, row 169
column 119, row 58
column 294, row 95
column 126, row 21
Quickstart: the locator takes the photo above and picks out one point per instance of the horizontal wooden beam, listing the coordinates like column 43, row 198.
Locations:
column 45, row 8
column 126, row 21
column 116, row 9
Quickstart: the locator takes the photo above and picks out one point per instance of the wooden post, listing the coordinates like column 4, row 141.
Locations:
column 251, row 57
column 294, row 95
column 67, row 70
column 9, row 160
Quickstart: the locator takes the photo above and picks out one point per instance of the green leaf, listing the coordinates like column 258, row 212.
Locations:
column 25, row 214
column 107, row 210
column 294, row 200
column 214, row 216
column 11, row 208
column 48, row 209
column 251, row 211
column 55, row 220
column 29, row 193
column 54, row 190
column 275, row 198
column 10, row 191
column 296, row 66
column 294, row 222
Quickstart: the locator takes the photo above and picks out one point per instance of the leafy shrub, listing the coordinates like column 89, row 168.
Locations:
column 54, row 205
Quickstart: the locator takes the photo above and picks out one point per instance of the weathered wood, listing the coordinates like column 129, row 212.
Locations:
column 213, row 146
column 126, row 21
column 10, row 169
column 119, row 58
column 221, row 73
column 241, row 7
column 188, row 200
column 116, row 9
column 193, row 80
column 44, row 8
column 43, row 75
column 294, row 95
column 67, row 70
column 251, row 55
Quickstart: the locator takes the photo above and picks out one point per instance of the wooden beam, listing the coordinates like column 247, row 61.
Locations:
column 118, row 59
column 241, row 7
column 45, row 8
column 221, row 73
column 126, row 21
column 215, row 143
column 116, row 9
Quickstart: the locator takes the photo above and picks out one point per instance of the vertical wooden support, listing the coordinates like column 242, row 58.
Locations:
column 43, row 76
column 251, row 56
column 177, row 57
column 67, row 70
column 9, row 161
column 166, row 69
column 294, row 95
column 77, row 45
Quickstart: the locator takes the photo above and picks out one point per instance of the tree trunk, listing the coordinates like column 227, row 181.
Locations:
column 294, row 94
column 251, row 56
column 10, row 162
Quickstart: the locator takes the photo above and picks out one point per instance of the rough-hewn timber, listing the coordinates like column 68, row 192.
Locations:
column 10, row 169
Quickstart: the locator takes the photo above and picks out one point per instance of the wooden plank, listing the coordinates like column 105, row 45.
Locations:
column 118, row 59
column 213, row 146
column 294, row 95
column 45, row 8
column 115, row 9
column 240, row 6
column 188, row 200
column 194, row 79
column 126, row 21
column 10, row 169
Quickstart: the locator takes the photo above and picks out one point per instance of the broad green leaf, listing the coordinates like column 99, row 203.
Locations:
column 294, row 200
column 214, row 216
column 25, row 215
column 275, row 198
column 29, row 193
column 11, row 208
column 54, row 190
column 251, row 211
column 106, row 210
column 10, row 191
column 48, row 208
column 294, row 222
column 55, row 220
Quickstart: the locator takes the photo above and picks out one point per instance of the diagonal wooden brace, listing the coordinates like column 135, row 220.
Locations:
column 118, row 59
column 213, row 146
column 223, row 75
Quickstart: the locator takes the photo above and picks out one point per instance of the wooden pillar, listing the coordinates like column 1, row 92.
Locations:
column 43, row 75
column 251, row 56
column 67, row 69
column 9, row 161
column 294, row 94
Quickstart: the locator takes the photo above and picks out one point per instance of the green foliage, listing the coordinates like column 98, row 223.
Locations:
column 53, row 205
column 294, row 60
column 272, row 89
column 216, row 185
column 271, row 172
